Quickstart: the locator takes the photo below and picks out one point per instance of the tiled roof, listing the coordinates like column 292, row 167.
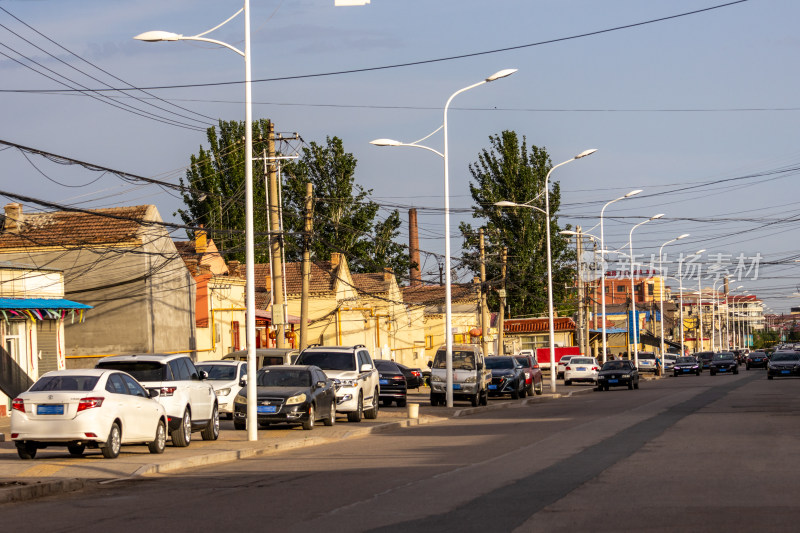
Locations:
column 322, row 277
column 115, row 225
column 537, row 325
column 371, row 283
column 432, row 294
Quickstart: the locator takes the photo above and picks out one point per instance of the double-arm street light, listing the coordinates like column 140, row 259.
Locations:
column 602, row 249
column 550, row 310
column 634, row 320
column 728, row 344
column 448, row 294
column 661, row 273
column 250, row 298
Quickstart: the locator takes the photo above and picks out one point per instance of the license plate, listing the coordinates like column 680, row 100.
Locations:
column 265, row 409
column 492, row 387
column 723, row 369
column 383, row 381
column 786, row 372
column 456, row 386
column 581, row 369
column 687, row 369
column 613, row 381
column 52, row 409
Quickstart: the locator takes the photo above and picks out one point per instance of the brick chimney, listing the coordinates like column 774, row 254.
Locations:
column 388, row 274
column 336, row 258
column 205, row 269
column 200, row 241
column 14, row 218
column 413, row 248
column 191, row 264
column 233, row 268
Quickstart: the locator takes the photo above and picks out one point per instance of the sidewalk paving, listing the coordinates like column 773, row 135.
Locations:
column 55, row 471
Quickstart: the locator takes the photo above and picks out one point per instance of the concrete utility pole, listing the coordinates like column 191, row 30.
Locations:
column 275, row 244
column 581, row 303
column 501, row 314
column 484, row 308
column 306, row 281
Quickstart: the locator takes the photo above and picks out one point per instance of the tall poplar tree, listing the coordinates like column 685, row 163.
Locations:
column 511, row 170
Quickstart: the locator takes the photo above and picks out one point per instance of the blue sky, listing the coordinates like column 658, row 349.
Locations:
column 672, row 106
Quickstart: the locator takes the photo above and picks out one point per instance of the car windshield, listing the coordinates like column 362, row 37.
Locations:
column 785, row 356
column 65, row 383
column 328, row 360
column 616, row 365
column 388, row 366
column 524, row 361
column 462, row 360
column 757, row 354
column 493, row 363
column 645, row 355
column 283, row 378
column 141, row 370
column 581, row 361
column 685, row 360
column 723, row 357
column 219, row 372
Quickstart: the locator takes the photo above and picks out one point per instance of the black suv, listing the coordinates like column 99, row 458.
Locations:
column 724, row 362
column 704, row 359
column 508, row 376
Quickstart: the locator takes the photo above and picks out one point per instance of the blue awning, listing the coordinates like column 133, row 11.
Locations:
column 609, row 331
column 40, row 303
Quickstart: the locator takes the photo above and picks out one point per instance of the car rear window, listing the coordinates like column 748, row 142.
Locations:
column 615, row 365
column 65, row 383
column 141, row 370
column 524, row 361
column 388, row 366
column 581, row 361
column 219, row 372
column 328, row 360
column 499, row 362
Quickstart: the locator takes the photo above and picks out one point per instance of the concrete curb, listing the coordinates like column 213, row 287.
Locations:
column 21, row 492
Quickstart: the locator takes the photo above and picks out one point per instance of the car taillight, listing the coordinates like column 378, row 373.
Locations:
column 167, row 391
column 90, row 403
column 595, row 368
column 399, row 378
column 18, row 404
column 568, row 368
column 415, row 373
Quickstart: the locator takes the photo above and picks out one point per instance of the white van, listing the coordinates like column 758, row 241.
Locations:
column 471, row 378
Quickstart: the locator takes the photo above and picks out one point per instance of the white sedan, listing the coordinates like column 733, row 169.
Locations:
column 92, row 408
column 581, row 369
column 225, row 377
column 562, row 365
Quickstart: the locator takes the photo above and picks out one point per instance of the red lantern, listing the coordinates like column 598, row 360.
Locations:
column 475, row 332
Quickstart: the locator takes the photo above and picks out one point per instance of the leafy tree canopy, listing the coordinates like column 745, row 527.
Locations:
column 511, row 170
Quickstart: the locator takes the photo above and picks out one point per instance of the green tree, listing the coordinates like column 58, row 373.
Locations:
column 345, row 220
column 216, row 189
column 511, row 170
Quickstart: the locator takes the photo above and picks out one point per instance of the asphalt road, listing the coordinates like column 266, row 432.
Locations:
column 690, row 453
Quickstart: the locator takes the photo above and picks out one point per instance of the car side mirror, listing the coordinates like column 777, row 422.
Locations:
column 430, row 364
column 243, row 382
column 320, row 384
column 202, row 374
column 480, row 365
column 154, row 393
column 366, row 367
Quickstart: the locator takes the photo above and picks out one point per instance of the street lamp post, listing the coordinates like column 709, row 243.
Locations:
column 448, row 299
column 634, row 318
column 661, row 299
column 602, row 272
column 728, row 319
column 700, row 303
column 250, row 299
column 550, row 310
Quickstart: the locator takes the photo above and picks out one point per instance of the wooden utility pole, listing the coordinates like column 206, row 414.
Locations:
column 276, row 239
column 484, row 309
column 501, row 314
column 581, row 303
column 306, row 281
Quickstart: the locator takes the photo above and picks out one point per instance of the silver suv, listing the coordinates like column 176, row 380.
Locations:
column 356, row 377
column 188, row 398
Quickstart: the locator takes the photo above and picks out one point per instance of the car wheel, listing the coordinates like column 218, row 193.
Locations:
column 630, row 385
column 111, row 447
column 160, row 441
column 239, row 425
column 309, row 423
column 76, row 449
column 485, row 398
column 515, row 394
column 475, row 400
column 747, row 367
column 211, row 431
column 26, row 450
column 769, row 377
column 568, row 382
column 540, row 389
column 331, row 420
column 697, row 373
column 606, row 388
column 182, row 436
column 713, row 373
column 529, row 391
column 636, row 385
column 356, row 415
column 372, row 413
